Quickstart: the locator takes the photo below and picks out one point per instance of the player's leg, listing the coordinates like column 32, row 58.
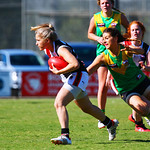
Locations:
column 87, row 107
column 134, row 116
column 147, row 95
column 137, row 119
column 102, row 88
column 63, row 97
column 140, row 104
column 102, row 91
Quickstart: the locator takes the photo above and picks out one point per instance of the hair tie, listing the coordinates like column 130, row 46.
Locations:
column 51, row 27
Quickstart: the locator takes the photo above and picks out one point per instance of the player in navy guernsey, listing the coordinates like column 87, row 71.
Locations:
column 75, row 79
column 135, row 32
column 58, row 44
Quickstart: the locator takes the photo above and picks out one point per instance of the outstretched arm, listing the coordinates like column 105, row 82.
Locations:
column 95, row 64
column 133, row 50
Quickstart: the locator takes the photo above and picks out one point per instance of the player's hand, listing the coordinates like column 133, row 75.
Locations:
column 54, row 70
column 141, row 63
column 100, row 40
column 127, row 48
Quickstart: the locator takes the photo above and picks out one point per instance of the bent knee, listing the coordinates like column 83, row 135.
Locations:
column 58, row 104
column 143, row 109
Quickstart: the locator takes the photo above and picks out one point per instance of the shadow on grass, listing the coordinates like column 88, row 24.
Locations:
column 123, row 141
column 3, row 118
column 32, row 102
column 136, row 140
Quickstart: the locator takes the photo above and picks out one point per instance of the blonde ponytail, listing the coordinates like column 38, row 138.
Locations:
column 45, row 31
column 51, row 27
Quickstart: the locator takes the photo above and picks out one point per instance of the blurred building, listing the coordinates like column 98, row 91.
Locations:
column 70, row 17
column 10, row 24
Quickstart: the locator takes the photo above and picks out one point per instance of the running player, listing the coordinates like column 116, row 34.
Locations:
column 75, row 79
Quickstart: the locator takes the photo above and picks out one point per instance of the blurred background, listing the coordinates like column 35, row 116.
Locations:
column 70, row 18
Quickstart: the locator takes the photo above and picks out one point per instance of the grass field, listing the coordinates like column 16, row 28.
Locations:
column 29, row 124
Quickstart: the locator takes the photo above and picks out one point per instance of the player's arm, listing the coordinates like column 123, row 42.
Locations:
column 95, row 64
column 124, row 21
column 133, row 50
column 73, row 63
column 148, row 58
column 147, row 66
column 91, row 32
column 144, row 67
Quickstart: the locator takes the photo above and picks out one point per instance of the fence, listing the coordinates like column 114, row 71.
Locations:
column 70, row 17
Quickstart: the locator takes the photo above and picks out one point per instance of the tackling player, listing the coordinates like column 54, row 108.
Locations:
column 131, row 83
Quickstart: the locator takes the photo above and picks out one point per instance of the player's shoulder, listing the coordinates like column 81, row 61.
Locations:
column 145, row 45
column 97, row 13
column 116, row 12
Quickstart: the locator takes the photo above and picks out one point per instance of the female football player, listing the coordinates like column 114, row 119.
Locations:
column 106, row 18
column 136, row 32
column 132, row 84
column 75, row 79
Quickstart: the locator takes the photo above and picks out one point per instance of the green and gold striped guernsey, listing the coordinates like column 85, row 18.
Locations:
column 124, row 71
column 102, row 23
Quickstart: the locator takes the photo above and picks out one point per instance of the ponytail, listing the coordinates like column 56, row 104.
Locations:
column 45, row 31
column 118, row 10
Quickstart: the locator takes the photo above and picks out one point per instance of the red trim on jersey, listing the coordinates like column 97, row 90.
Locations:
column 77, row 79
column 48, row 53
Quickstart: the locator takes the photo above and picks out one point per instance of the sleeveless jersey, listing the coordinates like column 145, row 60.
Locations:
column 58, row 44
column 124, row 71
column 139, row 57
column 101, row 23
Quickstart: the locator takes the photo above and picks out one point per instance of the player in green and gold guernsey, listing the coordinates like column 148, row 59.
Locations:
column 102, row 22
column 123, row 69
column 106, row 18
column 133, row 85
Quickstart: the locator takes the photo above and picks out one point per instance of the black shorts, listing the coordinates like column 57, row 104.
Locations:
column 103, row 65
column 139, row 90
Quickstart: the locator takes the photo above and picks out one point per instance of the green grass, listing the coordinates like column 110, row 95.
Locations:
column 29, row 124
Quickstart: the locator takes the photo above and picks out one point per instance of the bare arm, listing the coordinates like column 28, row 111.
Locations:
column 124, row 21
column 95, row 64
column 146, row 67
column 136, row 50
column 148, row 59
column 73, row 63
column 91, row 32
column 133, row 50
